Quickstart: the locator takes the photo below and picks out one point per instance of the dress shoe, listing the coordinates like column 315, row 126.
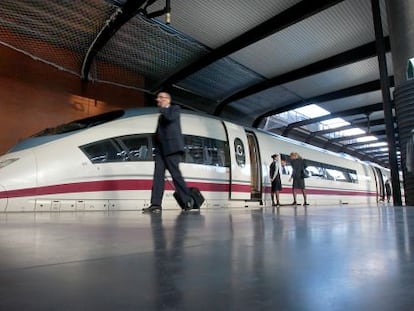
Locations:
column 305, row 204
column 152, row 209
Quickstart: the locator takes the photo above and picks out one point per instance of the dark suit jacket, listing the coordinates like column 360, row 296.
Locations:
column 169, row 136
column 272, row 169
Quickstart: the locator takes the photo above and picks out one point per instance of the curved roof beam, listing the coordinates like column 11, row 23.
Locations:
column 112, row 25
column 374, row 133
column 294, row 14
column 351, row 56
column 338, row 147
column 343, row 148
column 359, row 124
column 351, row 91
column 354, row 111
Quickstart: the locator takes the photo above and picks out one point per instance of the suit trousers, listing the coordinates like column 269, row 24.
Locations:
column 171, row 163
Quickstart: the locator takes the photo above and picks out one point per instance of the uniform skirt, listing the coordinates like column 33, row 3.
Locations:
column 276, row 184
column 298, row 183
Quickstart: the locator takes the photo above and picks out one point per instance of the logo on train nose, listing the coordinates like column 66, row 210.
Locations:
column 239, row 152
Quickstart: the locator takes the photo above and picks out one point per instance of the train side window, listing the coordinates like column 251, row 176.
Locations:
column 206, row 151
column 315, row 169
column 336, row 174
column 286, row 167
column 352, row 176
column 323, row 170
column 136, row 147
column 103, row 151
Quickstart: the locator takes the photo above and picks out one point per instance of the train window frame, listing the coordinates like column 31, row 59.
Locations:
column 117, row 154
column 123, row 152
column 209, row 151
column 142, row 153
column 350, row 175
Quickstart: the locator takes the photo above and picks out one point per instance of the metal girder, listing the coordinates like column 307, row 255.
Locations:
column 351, row 56
column 354, row 111
column 365, row 149
column 374, row 133
column 330, row 130
column 382, row 155
column 351, row 91
column 337, row 147
column 112, row 25
column 294, row 14
column 386, row 97
column 360, row 124
column 367, row 143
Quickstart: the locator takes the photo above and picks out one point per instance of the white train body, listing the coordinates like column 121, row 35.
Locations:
column 227, row 162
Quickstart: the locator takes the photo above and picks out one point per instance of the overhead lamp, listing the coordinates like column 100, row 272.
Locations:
column 166, row 10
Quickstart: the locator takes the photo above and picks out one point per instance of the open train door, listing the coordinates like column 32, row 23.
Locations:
column 240, row 169
column 379, row 182
column 255, row 168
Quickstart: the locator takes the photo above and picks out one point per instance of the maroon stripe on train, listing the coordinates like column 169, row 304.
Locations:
column 115, row 185
column 142, row 184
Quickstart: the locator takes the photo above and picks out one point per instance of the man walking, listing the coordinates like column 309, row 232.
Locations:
column 169, row 149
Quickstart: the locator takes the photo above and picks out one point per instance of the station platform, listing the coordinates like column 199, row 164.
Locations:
column 313, row 258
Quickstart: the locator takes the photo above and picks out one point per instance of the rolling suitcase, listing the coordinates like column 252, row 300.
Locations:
column 195, row 194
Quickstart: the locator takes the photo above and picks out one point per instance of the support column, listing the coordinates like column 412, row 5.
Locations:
column 387, row 103
column 400, row 15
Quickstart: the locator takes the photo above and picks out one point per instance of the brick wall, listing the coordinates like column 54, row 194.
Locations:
column 35, row 95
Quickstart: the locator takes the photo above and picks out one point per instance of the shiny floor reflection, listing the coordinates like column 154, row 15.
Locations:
column 319, row 258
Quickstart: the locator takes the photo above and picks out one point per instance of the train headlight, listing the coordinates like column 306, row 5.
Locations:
column 7, row 162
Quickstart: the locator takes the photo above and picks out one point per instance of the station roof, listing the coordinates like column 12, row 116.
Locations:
column 253, row 62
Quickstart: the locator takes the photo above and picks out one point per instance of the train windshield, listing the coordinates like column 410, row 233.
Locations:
column 81, row 124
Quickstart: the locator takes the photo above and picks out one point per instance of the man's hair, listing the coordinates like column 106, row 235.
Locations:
column 164, row 92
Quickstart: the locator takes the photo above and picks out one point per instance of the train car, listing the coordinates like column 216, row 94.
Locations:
column 105, row 162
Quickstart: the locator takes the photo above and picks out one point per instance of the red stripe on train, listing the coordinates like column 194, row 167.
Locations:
column 134, row 184
column 115, row 185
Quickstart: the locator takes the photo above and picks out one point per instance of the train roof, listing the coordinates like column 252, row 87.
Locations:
column 66, row 129
column 51, row 134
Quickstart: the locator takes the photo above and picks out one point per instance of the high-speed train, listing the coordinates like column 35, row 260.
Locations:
column 105, row 162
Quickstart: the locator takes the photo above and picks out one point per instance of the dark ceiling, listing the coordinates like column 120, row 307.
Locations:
column 247, row 61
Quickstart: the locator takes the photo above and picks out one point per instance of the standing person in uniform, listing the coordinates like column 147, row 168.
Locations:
column 298, row 167
column 169, row 149
column 388, row 190
column 274, row 174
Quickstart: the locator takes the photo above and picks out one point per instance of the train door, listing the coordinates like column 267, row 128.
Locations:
column 240, row 172
column 379, row 182
column 255, row 169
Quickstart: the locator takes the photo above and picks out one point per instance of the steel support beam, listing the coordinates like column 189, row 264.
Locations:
column 386, row 97
column 112, row 25
column 354, row 111
column 294, row 14
column 351, row 91
column 357, row 54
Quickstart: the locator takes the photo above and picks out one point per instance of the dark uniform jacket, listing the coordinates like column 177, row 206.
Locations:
column 169, row 136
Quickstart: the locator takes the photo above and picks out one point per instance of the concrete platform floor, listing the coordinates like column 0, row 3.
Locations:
column 318, row 258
